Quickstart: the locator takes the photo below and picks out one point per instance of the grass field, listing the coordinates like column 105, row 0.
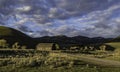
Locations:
column 60, row 69
column 54, row 62
column 40, row 61
column 116, row 54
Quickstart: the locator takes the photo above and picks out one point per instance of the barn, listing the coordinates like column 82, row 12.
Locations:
column 47, row 46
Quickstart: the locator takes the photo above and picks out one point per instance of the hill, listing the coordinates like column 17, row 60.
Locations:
column 117, row 39
column 82, row 40
column 12, row 36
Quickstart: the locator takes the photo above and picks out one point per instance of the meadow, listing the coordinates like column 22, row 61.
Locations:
column 73, row 60
column 116, row 53
column 43, row 61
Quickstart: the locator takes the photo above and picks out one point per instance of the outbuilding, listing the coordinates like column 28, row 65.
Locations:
column 47, row 46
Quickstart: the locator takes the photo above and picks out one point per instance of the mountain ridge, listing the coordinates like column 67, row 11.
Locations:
column 13, row 35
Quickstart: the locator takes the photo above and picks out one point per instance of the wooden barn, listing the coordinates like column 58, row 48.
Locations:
column 47, row 46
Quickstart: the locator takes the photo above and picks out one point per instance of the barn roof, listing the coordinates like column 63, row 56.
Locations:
column 45, row 44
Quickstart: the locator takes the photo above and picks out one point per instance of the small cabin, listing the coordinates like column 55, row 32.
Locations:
column 47, row 46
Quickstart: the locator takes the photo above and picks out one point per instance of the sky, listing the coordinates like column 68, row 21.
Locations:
column 37, row 18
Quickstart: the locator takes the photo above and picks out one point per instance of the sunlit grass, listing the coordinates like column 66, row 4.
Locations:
column 116, row 54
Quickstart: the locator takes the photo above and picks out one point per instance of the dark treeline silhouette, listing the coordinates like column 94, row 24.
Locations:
column 12, row 36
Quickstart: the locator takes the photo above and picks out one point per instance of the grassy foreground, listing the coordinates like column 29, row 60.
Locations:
column 50, row 62
column 116, row 54
column 37, row 61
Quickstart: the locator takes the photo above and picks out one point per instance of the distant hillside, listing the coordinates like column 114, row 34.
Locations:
column 72, row 40
column 4, row 31
column 117, row 39
column 12, row 36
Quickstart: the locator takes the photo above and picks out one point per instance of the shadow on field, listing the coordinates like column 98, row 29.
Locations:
column 110, row 48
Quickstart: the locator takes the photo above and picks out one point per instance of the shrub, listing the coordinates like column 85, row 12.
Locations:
column 23, row 47
column 55, row 62
column 3, row 43
column 16, row 45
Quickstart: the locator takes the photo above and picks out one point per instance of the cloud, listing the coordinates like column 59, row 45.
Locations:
column 68, row 17
column 51, row 9
column 24, row 8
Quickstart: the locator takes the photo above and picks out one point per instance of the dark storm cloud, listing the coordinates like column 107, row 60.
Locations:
column 52, row 9
column 68, row 17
